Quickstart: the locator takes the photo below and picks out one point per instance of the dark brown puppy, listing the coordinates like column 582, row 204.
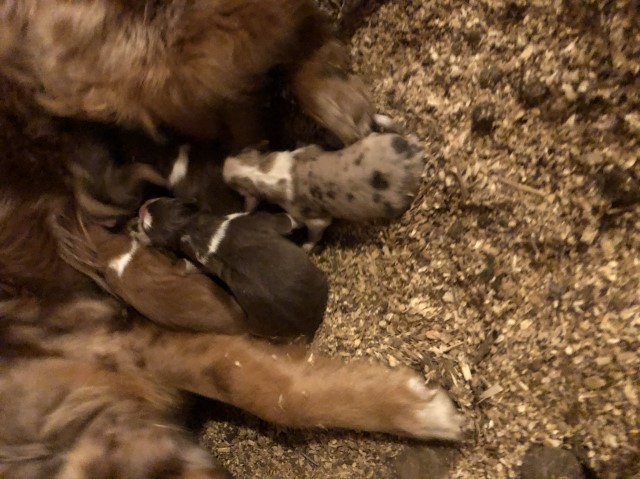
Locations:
column 159, row 288
column 281, row 291
column 198, row 66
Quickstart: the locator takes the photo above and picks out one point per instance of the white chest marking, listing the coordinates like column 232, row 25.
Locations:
column 180, row 167
column 120, row 263
column 220, row 233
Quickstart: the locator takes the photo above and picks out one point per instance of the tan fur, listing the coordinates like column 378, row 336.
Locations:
column 160, row 288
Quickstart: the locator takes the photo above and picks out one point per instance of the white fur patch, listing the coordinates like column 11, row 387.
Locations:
column 418, row 387
column 437, row 417
column 147, row 222
column 189, row 266
column 383, row 120
column 120, row 263
column 180, row 167
column 221, row 232
column 295, row 224
column 281, row 170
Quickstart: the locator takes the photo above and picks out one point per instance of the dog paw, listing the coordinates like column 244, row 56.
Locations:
column 433, row 415
column 344, row 107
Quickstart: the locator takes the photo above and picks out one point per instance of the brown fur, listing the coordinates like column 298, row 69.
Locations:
column 195, row 65
column 160, row 288
column 89, row 388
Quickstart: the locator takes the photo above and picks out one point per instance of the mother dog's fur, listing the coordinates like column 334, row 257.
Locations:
column 197, row 65
column 89, row 387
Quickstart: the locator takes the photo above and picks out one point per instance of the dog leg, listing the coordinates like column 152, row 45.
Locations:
column 331, row 95
column 284, row 385
column 315, row 228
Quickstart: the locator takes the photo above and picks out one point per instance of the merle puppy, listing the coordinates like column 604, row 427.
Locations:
column 280, row 290
column 376, row 177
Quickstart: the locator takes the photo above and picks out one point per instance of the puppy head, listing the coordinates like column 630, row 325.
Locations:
column 164, row 219
column 240, row 171
column 258, row 175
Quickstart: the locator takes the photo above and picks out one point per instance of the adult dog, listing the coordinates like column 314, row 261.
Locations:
column 88, row 387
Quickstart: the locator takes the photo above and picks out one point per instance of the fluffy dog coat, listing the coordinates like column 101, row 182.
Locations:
column 198, row 66
column 89, row 387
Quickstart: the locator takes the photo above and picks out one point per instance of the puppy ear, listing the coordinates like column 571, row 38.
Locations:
column 281, row 223
column 189, row 206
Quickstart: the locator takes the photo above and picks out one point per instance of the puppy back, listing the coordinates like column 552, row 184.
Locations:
column 377, row 177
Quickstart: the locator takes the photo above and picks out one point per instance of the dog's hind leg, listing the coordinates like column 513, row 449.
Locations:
column 331, row 95
column 284, row 385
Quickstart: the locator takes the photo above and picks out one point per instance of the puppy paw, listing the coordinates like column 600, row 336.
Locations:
column 433, row 415
column 385, row 124
column 309, row 247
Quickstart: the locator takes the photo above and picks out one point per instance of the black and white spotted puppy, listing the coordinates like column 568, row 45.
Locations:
column 282, row 293
column 376, row 177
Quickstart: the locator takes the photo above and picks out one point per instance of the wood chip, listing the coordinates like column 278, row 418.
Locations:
column 490, row 392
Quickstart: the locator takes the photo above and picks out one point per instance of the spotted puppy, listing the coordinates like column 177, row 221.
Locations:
column 280, row 290
column 376, row 177
column 159, row 287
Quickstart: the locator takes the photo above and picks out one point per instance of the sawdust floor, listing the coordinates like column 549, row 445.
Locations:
column 514, row 279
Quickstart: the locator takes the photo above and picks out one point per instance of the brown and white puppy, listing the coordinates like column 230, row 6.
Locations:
column 159, row 287
column 281, row 291
column 376, row 177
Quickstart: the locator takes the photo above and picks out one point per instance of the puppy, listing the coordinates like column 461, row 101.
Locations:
column 376, row 177
column 159, row 288
column 281, row 291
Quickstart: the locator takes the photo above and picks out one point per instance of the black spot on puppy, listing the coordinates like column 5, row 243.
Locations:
column 331, row 195
column 399, row 144
column 350, row 197
column 378, row 181
column 359, row 159
column 316, row 192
